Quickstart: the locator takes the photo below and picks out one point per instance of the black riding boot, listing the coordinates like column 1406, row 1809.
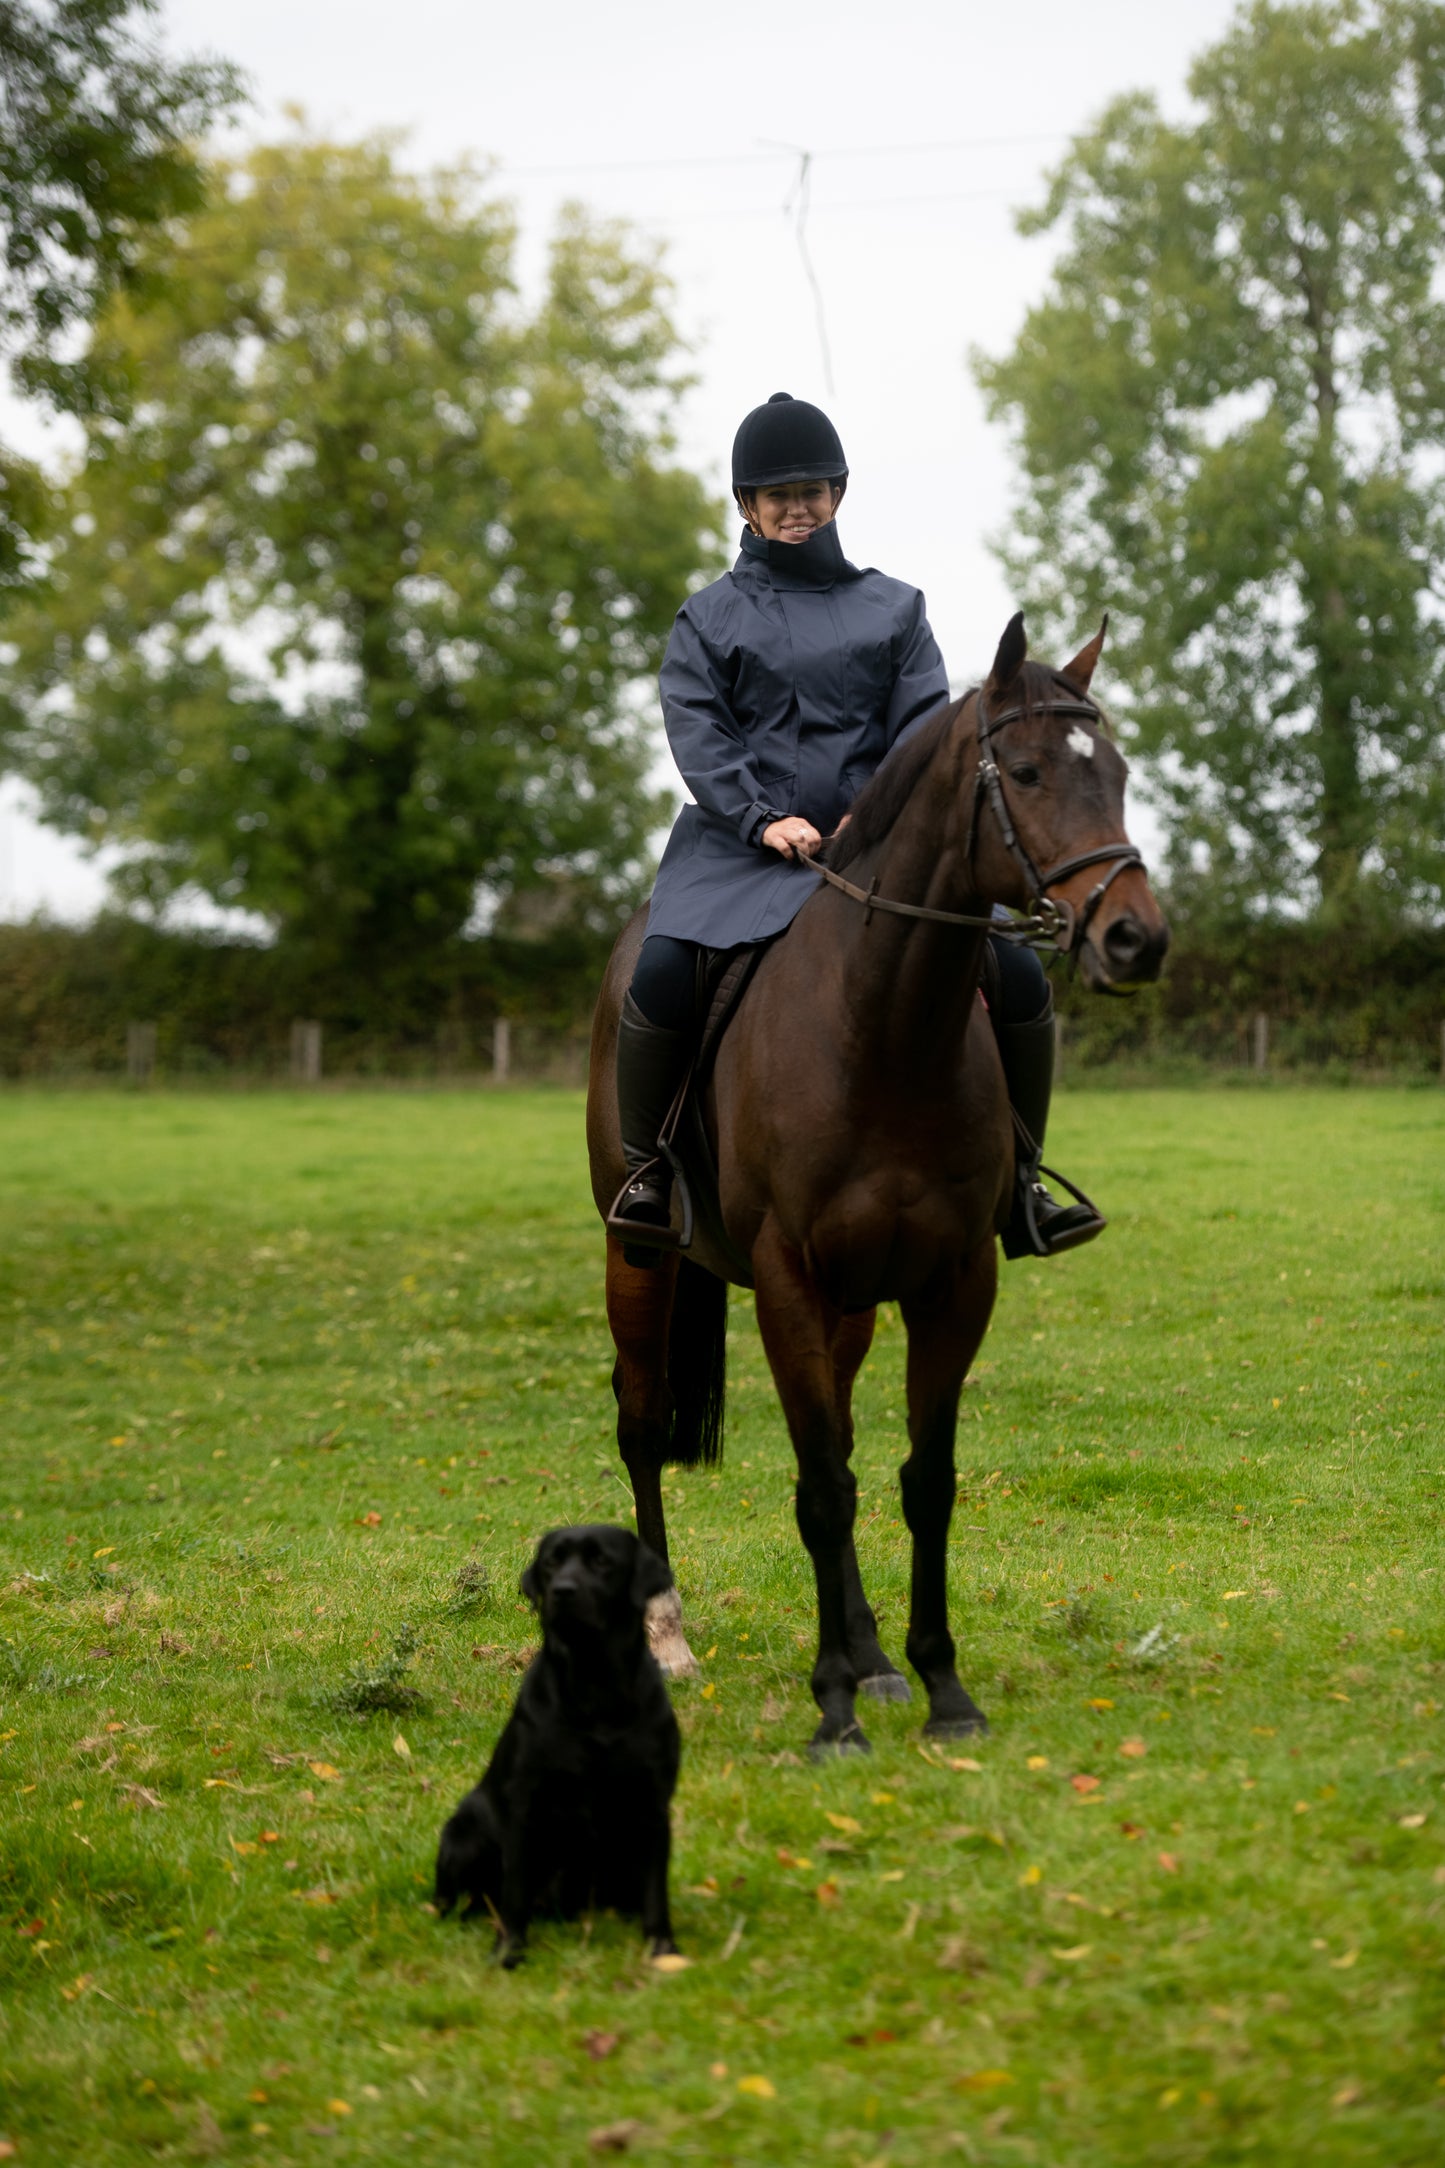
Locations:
column 1038, row 1225
column 650, row 1065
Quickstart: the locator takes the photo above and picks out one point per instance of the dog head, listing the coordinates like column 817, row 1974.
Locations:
column 593, row 1580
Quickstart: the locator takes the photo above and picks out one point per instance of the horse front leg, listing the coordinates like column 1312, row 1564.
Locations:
column 878, row 1677
column 639, row 1313
column 798, row 1328
column 945, row 1330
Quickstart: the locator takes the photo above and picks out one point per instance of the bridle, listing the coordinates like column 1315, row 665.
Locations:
column 1048, row 921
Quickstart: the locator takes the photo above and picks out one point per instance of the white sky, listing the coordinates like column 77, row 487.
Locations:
column 929, row 121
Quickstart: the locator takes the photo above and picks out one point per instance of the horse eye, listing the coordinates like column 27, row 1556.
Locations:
column 1024, row 773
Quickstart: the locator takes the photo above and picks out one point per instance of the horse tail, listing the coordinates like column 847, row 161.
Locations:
column 697, row 1367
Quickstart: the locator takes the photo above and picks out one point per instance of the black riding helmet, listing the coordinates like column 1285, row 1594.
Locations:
column 787, row 441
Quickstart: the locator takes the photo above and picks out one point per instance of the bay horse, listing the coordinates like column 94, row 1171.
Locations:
column 864, row 1143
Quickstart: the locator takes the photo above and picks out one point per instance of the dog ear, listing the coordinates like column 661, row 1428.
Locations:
column 531, row 1581
column 651, row 1575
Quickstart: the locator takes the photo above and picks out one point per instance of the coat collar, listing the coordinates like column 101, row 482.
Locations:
column 818, row 562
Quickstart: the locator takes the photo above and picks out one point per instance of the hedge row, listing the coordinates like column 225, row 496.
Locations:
column 1365, row 999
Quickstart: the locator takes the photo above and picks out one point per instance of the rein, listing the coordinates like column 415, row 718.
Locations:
column 1048, row 920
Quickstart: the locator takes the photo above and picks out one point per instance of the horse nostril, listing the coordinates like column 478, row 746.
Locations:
column 1125, row 941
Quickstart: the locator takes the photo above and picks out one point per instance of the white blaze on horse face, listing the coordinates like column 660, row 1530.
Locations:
column 1081, row 742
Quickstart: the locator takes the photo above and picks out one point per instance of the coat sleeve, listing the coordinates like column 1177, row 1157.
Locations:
column 706, row 740
column 921, row 685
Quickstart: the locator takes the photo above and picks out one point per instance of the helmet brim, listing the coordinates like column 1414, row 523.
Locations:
column 821, row 470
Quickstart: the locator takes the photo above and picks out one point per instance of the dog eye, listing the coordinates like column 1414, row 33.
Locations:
column 1025, row 773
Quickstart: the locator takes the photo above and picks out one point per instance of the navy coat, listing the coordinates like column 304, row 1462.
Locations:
column 784, row 685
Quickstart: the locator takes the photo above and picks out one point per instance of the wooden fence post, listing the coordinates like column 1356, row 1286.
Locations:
column 501, row 1050
column 306, row 1050
column 140, row 1052
column 1261, row 1041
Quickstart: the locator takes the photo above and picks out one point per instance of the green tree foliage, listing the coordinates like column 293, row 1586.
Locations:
column 96, row 147
column 353, row 616
column 1228, row 409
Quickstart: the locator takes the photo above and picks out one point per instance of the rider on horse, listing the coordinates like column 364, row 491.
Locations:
column 784, row 686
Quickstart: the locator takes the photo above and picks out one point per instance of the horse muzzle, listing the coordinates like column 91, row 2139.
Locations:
column 1125, row 952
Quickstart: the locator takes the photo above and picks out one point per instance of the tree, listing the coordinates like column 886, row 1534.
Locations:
column 352, row 617
column 96, row 148
column 1228, row 410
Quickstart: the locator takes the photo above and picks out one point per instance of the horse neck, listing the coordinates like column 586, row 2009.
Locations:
column 912, row 982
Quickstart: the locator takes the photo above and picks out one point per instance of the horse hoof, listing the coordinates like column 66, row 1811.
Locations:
column 851, row 1741
column 956, row 1727
column 886, row 1686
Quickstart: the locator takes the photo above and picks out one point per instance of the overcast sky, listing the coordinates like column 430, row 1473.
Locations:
column 929, row 121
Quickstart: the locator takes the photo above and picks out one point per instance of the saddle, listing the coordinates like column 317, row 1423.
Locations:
column 724, row 976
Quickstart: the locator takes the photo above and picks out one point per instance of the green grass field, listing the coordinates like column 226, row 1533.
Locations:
column 276, row 1370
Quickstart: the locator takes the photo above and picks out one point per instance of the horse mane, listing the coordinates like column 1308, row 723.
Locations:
column 888, row 790
column 893, row 783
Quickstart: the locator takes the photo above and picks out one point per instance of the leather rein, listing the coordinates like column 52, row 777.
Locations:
column 1048, row 920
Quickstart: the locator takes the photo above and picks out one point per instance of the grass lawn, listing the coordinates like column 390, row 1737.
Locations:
column 276, row 1370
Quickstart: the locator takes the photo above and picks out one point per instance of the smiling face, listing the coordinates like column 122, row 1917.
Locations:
column 790, row 511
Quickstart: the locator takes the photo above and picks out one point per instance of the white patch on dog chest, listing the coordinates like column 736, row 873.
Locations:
column 1081, row 742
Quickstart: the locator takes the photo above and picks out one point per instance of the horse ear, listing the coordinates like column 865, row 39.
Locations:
column 1081, row 669
column 1009, row 660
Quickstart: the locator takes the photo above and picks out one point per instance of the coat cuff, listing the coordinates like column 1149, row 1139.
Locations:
column 755, row 820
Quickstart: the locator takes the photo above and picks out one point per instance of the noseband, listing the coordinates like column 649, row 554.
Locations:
column 1048, row 920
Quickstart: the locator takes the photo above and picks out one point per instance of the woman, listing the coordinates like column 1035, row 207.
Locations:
column 784, row 685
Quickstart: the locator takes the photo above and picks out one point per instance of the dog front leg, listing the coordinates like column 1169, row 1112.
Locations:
column 656, row 1917
column 515, row 1907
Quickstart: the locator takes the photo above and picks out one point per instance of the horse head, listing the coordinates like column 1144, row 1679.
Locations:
column 1048, row 813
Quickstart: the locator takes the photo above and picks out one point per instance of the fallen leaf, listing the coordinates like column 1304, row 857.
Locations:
column 1038, row 1761
column 1170, row 2096
column 1412, row 1821
column 325, row 1771
column 1133, row 1749
column 400, row 1747
column 315, row 1896
column 1131, row 1829
column 717, row 2070
column 246, row 1850
column 1030, row 1877
column 965, row 1761
column 671, row 1961
column 83, row 1980
column 1071, row 1957
column 982, row 2081
column 139, row 1795
column 849, row 1827
column 270, row 1836
column 1084, row 1785
column 104, row 1551
column 338, row 2107
column 1343, row 1964
column 215, row 1784
column 828, row 1894
column 772, row 1710
column 893, row 1874
column 1099, row 1702
column 600, row 2045
column 33, row 1928
column 882, row 1799
column 613, row 2137
column 1346, row 2096
column 1232, row 1595
column 1169, row 1862
column 760, row 2088
column 368, row 1520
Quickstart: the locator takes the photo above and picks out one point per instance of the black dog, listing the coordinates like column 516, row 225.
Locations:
column 573, row 1808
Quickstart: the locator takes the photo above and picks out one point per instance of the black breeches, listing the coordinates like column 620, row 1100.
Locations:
column 664, row 984
column 1024, row 992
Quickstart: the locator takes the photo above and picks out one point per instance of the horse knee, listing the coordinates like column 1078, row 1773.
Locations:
column 827, row 1501
column 927, row 1487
